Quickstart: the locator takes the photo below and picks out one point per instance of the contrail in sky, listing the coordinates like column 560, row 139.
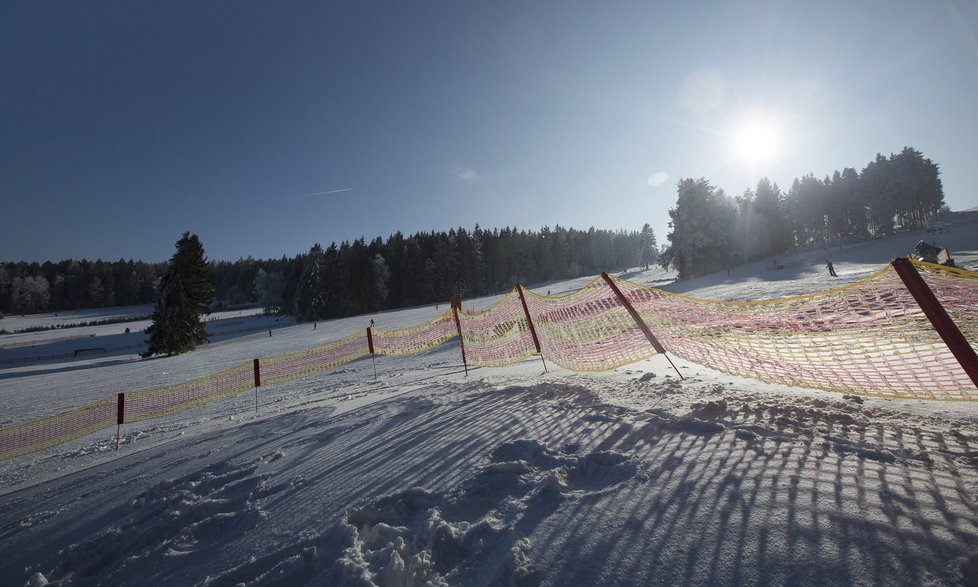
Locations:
column 324, row 193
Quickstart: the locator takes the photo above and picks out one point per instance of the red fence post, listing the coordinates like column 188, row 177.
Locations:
column 257, row 382
column 120, row 417
column 456, row 304
column 533, row 331
column 638, row 320
column 370, row 346
column 938, row 316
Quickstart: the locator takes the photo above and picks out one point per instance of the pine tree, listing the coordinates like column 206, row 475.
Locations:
column 311, row 296
column 268, row 291
column 702, row 225
column 185, row 295
column 768, row 207
column 649, row 246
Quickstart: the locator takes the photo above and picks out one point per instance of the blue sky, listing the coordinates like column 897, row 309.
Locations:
column 123, row 124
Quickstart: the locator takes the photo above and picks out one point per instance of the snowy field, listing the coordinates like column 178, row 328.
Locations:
column 508, row 476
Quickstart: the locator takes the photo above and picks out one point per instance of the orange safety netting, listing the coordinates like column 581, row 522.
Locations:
column 588, row 330
column 148, row 404
column 499, row 336
column 957, row 290
column 869, row 338
column 33, row 436
column 414, row 339
column 306, row 363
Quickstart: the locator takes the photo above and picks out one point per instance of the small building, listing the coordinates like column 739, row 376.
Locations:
column 931, row 254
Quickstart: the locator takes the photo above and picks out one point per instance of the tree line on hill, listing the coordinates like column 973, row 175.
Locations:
column 27, row 288
column 426, row 268
column 712, row 231
column 346, row 278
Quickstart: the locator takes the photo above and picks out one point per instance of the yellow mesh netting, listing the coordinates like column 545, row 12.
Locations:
column 588, row 330
column 414, row 339
column 309, row 362
column 868, row 338
column 498, row 336
column 172, row 399
column 33, row 436
column 957, row 290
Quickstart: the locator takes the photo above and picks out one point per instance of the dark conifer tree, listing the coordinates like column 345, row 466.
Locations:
column 649, row 246
column 311, row 297
column 702, row 224
column 186, row 293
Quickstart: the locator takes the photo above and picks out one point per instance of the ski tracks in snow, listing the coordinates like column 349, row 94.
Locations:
column 497, row 482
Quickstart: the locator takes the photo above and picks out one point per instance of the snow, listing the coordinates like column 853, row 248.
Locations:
column 507, row 476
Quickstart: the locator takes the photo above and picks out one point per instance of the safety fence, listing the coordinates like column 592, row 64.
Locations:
column 908, row 331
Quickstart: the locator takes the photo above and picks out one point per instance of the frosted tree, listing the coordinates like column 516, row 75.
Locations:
column 268, row 290
column 769, row 209
column 702, row 225
column 381, row 276
column 917, row 188
column 311, row 297
column 96, row 292
column 649, row 246
column 185, row 297
column 878, row 190
column 30, row 294
column 850, row 198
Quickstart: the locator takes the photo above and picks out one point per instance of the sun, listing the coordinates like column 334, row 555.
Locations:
column 756, row 142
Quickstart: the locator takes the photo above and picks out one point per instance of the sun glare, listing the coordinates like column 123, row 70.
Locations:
column 756, row 142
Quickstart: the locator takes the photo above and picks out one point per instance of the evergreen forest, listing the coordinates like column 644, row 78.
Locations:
column 712, row 231
column 709, row 231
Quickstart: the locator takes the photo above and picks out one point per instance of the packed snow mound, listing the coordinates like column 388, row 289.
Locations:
column 470, row 535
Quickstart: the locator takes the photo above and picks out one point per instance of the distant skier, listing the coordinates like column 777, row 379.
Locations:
column 830, row 267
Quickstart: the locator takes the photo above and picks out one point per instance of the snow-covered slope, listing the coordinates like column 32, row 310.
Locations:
column 507, row 476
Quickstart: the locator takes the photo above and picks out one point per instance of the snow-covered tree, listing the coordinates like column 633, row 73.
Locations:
column 702, row 224
column 311, row 296
column 650, row 248
column 381, row 275
column 96, row 291
column 268, row 290
column 769, row 209
column 29, row 295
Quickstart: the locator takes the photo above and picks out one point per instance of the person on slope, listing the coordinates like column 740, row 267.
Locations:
column 831, row 268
